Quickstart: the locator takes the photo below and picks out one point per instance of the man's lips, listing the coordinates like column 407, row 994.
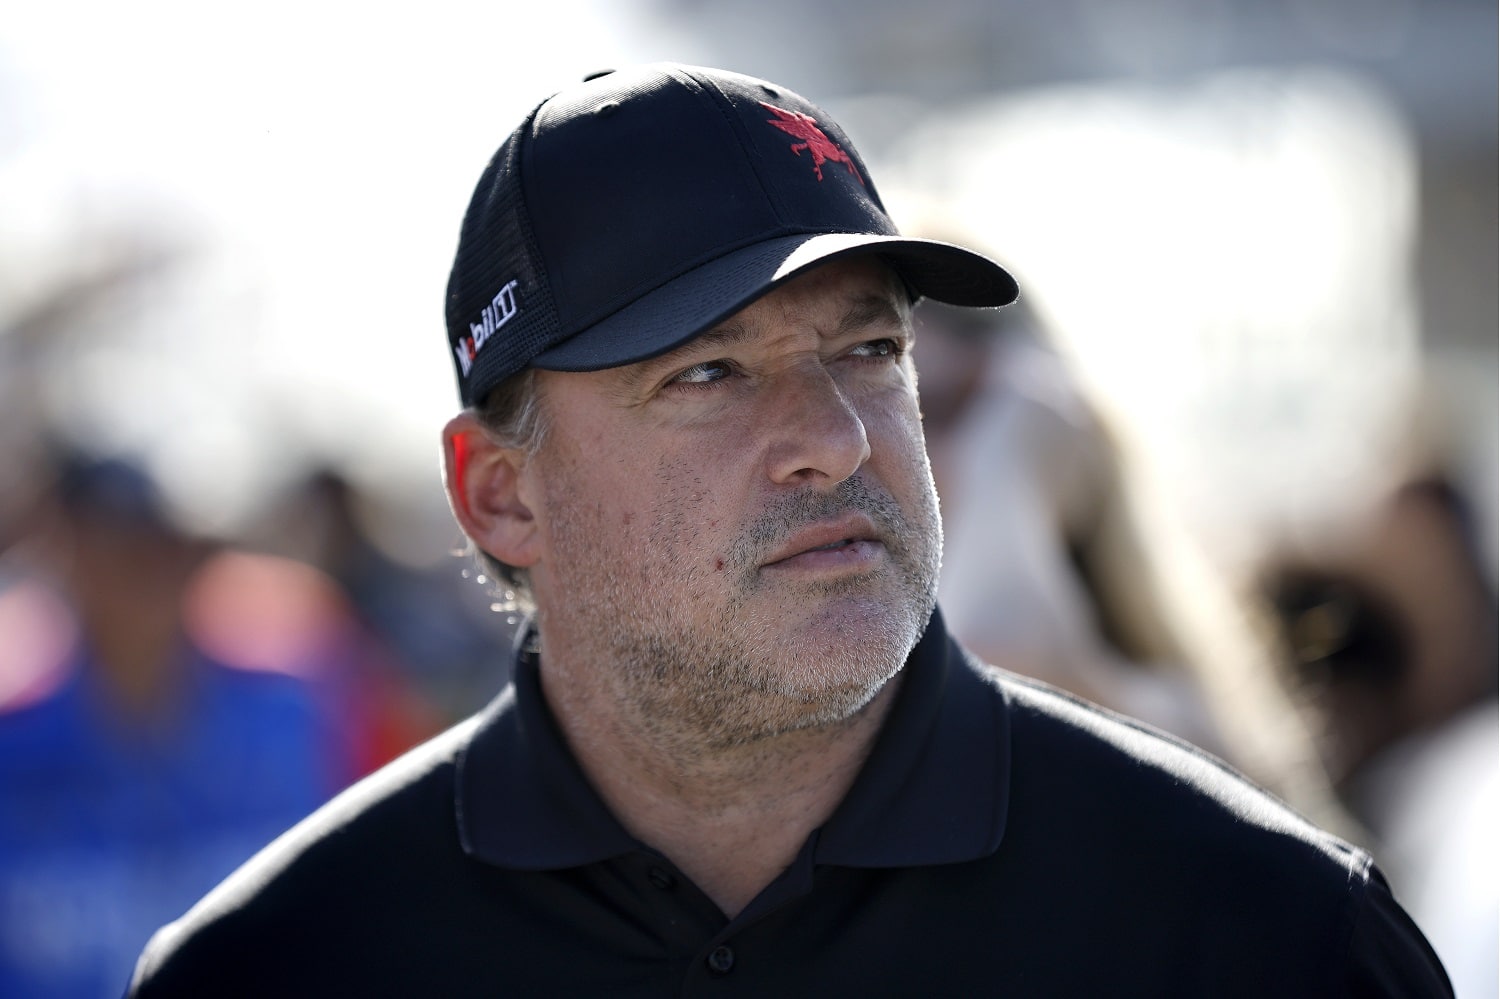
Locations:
column 830, row 535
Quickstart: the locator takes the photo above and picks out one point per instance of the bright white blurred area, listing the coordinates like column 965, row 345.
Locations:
column 225, row 231
column 1226, row 266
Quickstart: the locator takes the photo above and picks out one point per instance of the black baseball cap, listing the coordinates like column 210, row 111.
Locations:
column 630, row 213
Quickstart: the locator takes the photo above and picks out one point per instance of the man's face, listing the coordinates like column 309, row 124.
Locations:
column 741, row 537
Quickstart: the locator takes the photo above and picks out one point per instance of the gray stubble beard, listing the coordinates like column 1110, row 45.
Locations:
column 723, row 683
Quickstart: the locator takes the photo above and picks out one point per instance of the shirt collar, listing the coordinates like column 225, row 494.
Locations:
column 933, row 791
column 522, row 800
column 936, row 785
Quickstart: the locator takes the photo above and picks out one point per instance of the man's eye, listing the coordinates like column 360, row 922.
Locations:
column 700, row 374
column 885, row 347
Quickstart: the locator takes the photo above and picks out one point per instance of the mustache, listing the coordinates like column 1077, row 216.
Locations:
column 790, row 513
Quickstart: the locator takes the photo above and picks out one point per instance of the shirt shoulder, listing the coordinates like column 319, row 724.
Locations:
column 1150, row 834
column 1153, row 784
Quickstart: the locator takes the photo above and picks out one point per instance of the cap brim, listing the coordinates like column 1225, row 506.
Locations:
column 700, row 299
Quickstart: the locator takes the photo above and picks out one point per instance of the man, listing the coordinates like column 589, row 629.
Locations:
column 740, row 754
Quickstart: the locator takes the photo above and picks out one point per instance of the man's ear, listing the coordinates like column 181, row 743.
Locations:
column 484, row 489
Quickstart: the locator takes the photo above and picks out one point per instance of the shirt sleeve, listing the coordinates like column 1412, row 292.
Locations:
column 1389, row 958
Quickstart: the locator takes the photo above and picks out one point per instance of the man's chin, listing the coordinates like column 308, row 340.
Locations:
column 868, row 621
column 843, row 657
column 788, row 710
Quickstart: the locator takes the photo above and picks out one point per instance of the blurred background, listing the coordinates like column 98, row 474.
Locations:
column 1230, row 467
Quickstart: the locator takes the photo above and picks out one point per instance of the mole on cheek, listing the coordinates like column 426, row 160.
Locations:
column 718, row 565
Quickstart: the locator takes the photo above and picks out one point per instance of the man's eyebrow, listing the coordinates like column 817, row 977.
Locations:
column 727, row 334
column 862, row 313
column 871, row 310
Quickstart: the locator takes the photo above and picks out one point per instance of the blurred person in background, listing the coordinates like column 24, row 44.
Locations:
column 167, row 706
column 439, row 626
column 1392, row 632
column 1060, row 564
column 1391, row 636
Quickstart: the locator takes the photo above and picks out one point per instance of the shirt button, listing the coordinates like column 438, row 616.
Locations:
column 720, row 960
column 660, row 878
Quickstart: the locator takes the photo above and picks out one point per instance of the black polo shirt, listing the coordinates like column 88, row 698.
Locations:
column 1002, row 839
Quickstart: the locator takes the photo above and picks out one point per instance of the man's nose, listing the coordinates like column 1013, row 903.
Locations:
column 816, row 434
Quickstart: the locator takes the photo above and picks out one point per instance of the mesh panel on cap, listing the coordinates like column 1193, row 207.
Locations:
column 497, row 247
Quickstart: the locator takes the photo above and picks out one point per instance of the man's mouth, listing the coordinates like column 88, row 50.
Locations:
column 853, row 531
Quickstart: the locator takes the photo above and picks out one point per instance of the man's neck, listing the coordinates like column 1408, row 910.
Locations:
column 731, row 818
